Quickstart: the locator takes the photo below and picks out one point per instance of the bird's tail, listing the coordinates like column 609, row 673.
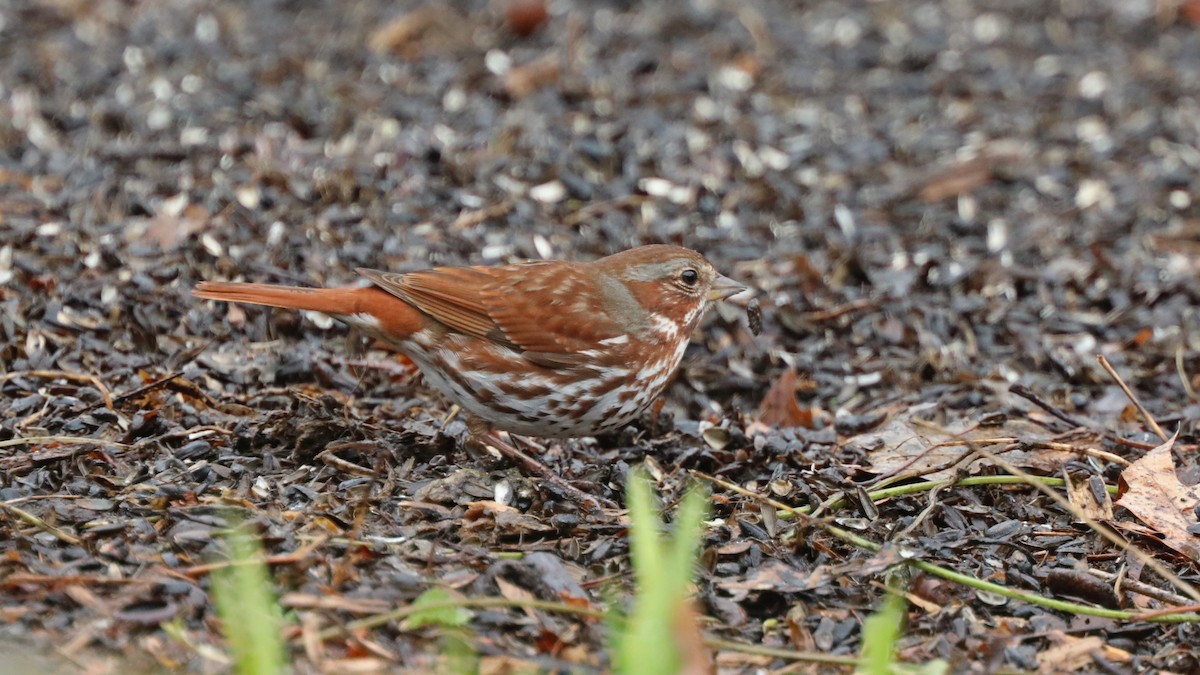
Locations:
column 370, row 308
column 326, row 300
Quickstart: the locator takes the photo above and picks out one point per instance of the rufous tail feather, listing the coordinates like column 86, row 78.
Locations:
column 396, row 318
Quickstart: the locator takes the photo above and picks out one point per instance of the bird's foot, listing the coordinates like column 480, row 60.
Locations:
column 533, row 466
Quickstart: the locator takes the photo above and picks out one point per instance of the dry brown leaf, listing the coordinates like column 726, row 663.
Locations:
column 1190, row 11
column 340, row 603
column 363, row 664
column 737, row 662
column 697, row 659
column 173, row 225
column 897, row 447
column 776, row 576
column 513, row 592
column 902, row 447
column 1151, row 491
column 1094, row 504
column 1070, row 653
column 779, row 408
column 504, row 518
column 525, row 16
column 507, row 665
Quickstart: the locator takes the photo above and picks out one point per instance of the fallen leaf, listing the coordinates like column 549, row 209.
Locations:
column 697, row 659
column 503, row 518
column 507, row 665
column 902, row 447
column 1150, row 490
column 549, row 642
column 779, row 408
column 524, row 16
column 1093, row 504
column 1190, row 11
column 513, row 592
column 177, row 221
column 775, row 576
column 1070, row 653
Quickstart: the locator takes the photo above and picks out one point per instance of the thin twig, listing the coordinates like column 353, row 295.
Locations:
column 1166, row 611
column 1090, row 452
column 64, row 375
column 479, row 603
column 28, row 517
column 531, row 465
column 65, row 440
column 455, row 409
column 1140, row 587
column 824, row 315
column 330, row 458
column 777, row 653
column 296, row 556
column 934, row 502
column 469, row 219
column 18, row 578
column 1132, row 398
column 153, row 384
column 800, row 512
column 1027, row 394
column 1183, row 376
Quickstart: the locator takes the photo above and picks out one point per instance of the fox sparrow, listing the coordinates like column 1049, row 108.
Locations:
column 548, row 348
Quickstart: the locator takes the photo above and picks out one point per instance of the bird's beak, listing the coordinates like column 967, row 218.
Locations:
column 723, row 287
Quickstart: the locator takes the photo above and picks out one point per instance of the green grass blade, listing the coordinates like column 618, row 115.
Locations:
column 251, row 618
column 881, row 630
column 663, row 569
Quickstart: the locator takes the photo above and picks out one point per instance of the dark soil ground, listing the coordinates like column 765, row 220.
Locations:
column 935, row 201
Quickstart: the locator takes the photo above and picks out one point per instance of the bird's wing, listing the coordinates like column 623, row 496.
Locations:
column 451, row 295
column 549, row 310
column 553, row 310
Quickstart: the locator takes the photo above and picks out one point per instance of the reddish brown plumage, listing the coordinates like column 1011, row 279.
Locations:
column 398, row 319
column 547, row 348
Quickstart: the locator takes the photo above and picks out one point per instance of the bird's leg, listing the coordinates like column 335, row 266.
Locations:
column 527, row 443
column 482, row 435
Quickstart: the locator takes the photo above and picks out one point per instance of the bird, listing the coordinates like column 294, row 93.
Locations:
column 547, row 348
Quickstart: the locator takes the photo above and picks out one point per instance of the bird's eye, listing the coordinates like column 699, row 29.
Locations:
column 689, row 277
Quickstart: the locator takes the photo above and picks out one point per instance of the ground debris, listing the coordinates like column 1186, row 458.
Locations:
column 946, row 210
